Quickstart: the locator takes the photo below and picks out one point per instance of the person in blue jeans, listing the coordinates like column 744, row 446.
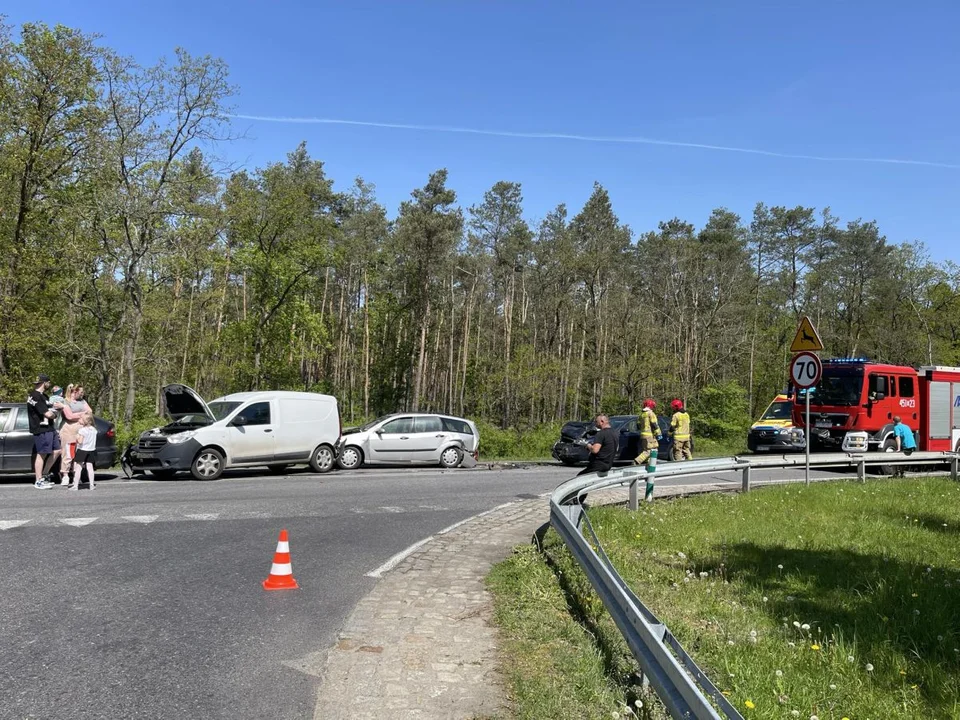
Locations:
column 905, row 442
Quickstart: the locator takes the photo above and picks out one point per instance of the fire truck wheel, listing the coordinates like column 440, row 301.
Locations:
column 889, row 446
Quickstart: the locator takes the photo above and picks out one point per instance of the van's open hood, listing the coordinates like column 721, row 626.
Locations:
column 180, row 401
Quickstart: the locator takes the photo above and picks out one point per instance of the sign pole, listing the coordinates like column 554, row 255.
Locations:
column 806, row 471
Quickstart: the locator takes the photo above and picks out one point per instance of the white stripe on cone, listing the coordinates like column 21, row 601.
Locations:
column 281, row 569
column 283, row 547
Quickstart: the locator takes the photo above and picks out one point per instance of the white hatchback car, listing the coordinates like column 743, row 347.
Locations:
column 407, row 439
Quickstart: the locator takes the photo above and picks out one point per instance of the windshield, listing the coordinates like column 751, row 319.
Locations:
column 369, row 425
column 221, row 409
column 778, row 410
column 837, row 387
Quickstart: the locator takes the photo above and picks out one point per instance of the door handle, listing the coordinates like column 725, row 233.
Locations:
column 268, row 430
column 404, row 437
column 440, row 435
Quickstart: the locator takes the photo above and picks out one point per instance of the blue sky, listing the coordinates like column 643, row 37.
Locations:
column 831, row 80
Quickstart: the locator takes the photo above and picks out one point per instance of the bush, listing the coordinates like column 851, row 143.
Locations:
column 529, row 444
column 722, row 413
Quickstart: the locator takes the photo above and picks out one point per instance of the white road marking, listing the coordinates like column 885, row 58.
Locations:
column 77, row 522
column 398, row 558
column 10, row 524
column 391, row 509
column 203, row 516
column 140, row 518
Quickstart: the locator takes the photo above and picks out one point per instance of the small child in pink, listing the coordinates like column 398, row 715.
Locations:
column 86, row 448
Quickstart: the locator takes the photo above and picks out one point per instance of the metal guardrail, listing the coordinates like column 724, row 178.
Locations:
column 682, row 686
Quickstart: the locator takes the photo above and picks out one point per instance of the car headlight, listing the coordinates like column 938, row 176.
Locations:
column 181, row 437
column 786, row 431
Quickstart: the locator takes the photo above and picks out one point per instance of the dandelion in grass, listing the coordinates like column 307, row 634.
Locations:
column 814, row 647
column 765, row 598
column 796, row 623
column 850, row 658
column 778, row 673
column 792, row 644
column 794, row 713
column 869, row 667
column 903, row 672
column 805, row 626
column 832, row 686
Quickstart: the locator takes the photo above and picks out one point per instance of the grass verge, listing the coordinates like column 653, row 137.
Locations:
column 836, row 601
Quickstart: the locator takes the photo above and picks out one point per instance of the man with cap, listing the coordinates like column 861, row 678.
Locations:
column 46, row 441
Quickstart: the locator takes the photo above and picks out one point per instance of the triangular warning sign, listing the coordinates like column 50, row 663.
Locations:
column 807, row 339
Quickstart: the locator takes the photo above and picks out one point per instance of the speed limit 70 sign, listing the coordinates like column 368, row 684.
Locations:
column 805, row 370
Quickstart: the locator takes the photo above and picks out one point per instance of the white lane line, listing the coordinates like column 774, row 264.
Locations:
column 203, row 516
column 144, row 519
column 402, row 555
column 10, row 524
column 77, row 522
column 398, row 558
column 391, row 509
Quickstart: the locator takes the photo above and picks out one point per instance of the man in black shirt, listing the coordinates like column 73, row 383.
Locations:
column 46, row 441
column 603, row 448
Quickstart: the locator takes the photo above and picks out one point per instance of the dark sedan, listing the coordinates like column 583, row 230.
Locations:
column 571, row 449
column 16, row 442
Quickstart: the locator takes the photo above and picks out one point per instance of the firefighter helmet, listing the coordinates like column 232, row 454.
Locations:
column 677, row 405
column 649, row 404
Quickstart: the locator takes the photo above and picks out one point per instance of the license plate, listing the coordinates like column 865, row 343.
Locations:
column 824, row 424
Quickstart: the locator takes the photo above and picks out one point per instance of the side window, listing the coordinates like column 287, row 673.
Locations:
column 23, row 422
column 400, row 425
column 256, row 414
column 906, row 387
column 631, row 426
column 456, row 426
column 427, row 424
column 893, row 386
column 4, row 416
column 878, row 384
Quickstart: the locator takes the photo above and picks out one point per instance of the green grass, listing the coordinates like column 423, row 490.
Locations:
column 838, row 600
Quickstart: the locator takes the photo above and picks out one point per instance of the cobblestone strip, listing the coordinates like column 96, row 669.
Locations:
column 421, row 644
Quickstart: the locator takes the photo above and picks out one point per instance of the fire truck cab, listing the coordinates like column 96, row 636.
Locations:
column 856, row 395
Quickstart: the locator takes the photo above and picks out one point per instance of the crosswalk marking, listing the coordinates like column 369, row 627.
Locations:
column 10, row 524
column 77, row 522
column 140, row 518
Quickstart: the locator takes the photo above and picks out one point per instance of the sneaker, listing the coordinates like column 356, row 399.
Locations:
column 73, row 487
column 64, row 480
column 42, row 485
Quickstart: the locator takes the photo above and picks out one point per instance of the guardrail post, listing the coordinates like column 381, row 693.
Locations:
column 861, row 471
column 634, row 503
column 954, row 466
column 746, row 479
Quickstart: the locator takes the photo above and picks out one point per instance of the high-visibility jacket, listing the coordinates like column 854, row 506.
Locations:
column 680, row 426
column 649, row 427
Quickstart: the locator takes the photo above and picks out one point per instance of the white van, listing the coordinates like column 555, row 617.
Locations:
column 276, row 429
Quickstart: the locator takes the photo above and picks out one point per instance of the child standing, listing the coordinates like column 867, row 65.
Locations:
column 86, row 447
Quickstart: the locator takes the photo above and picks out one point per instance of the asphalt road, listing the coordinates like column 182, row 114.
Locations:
column 142, row 599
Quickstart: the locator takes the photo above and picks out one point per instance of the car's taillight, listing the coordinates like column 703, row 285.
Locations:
column 111, row 433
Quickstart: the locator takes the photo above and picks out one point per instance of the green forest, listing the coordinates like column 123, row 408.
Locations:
column 133, row 256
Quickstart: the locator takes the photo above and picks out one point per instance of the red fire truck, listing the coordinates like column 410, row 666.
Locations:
column 855, row 394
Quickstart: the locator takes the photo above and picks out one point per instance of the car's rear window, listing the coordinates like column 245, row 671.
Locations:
column 457, row 426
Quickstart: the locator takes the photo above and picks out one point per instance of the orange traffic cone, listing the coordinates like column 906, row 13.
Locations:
column 281, row 573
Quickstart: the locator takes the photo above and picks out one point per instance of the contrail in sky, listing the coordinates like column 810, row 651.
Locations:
column 624, row 140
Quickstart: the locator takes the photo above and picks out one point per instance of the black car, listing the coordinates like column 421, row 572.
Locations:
column 571, row 449
column 16, row 442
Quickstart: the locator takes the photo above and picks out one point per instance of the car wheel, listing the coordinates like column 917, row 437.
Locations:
column 277, row 469
column 322, row 460
column 351, row 457
column 672, row 454
column 207, row 465
column 162, row 474
column 451, row 457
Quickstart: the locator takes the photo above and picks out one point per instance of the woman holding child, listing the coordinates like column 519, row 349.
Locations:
column 74, row 408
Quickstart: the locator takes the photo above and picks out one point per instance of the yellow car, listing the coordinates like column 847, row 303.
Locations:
column 775, row 431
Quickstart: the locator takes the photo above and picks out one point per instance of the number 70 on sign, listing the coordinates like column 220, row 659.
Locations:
column 805, row 369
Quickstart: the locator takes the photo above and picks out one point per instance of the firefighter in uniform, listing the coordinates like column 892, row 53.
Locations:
column 680, row 431
column 649, row 432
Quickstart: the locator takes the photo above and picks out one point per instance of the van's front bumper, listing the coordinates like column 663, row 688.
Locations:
column 172, row 456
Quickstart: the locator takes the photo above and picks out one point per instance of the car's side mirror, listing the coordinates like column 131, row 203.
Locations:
column 239, row 421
